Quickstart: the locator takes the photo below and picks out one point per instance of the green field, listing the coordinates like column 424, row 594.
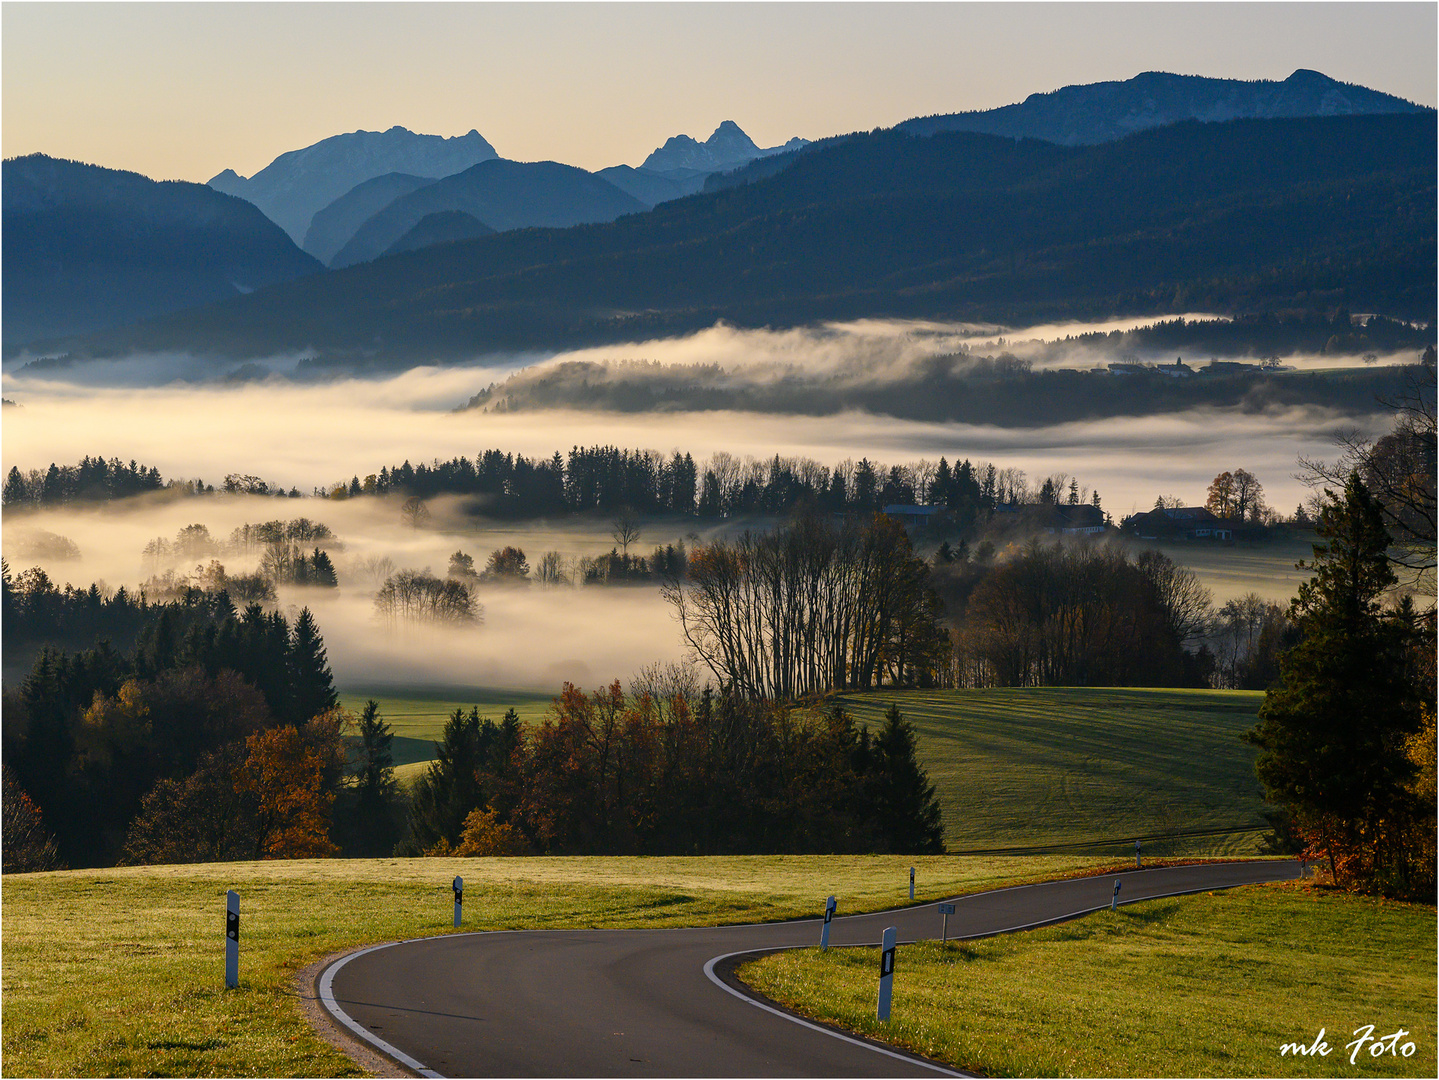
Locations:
column 417, row 717
column 1208, row 985
column 1058, row 766
column 119, row 972
column 1037, row 768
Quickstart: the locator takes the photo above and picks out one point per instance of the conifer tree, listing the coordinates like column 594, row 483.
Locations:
column 312, row 686
column 445, row 795
column 1332, row 734
column 905, row 803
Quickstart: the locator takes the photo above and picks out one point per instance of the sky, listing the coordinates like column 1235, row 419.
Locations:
column 183, row 91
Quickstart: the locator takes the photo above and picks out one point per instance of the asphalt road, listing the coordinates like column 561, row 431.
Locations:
column 664, row 1002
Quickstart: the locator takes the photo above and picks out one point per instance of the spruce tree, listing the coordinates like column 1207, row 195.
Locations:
column 374, row 827
column 905, row 805
column 312, row 686
column 450, row 789
column 1332, row 732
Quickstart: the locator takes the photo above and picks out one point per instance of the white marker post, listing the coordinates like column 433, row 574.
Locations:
column 1136, row 855
column 886, row 972
column 945, row 910
column 232, row 939
column 459, row 886
column 829, row 906
column 911, row 883
column 1114, row 900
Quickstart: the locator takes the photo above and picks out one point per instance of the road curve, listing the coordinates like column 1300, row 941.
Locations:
column 664, row 1002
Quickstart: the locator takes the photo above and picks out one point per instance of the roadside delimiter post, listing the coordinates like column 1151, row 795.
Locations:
column 1114, row 900
column 232, row 939
column 459, row 886
column 1136, row 854
column 829, row 906
column 886, row 972
column 911, row 883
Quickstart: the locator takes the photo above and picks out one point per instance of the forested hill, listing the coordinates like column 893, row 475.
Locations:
column 1301, row 214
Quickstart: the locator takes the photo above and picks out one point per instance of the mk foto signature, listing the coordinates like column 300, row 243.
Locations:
column 1363, row 1036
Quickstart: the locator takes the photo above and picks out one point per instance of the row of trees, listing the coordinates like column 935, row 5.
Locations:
column 614, row 773
column 810, row 607
column 1074, row 614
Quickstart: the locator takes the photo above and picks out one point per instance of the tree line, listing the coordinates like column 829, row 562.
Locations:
column 88, row 735
column 616, row 773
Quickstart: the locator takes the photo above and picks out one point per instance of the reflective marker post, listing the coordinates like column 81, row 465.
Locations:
column 829, row 906
column 946, row 910
column 886, row 972
column 1136, row 854
column 232, row 939
column 1114, row 900
column 911, row 883
column 459, row 886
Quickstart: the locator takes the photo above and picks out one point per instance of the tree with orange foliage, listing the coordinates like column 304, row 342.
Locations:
column 286, row 776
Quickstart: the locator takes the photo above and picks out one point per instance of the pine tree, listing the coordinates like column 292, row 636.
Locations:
column 906, row 807
column 312, row 686
column 373, row 827
column 1332, row 733
column 445, row 795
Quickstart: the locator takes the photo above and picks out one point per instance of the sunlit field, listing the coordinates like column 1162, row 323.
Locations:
column 1208, row 985
column 120, row 972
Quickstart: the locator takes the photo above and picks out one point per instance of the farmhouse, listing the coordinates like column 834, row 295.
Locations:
column 1180, row 523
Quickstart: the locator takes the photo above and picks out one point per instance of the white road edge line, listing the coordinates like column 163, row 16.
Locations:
column 728, row 989
column 327, row 998
column 710, row 971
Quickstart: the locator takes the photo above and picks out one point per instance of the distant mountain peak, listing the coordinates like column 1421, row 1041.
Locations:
column 299, row 183
column 728, row 147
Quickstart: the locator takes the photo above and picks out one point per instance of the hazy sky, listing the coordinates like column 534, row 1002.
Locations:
column 181, row 91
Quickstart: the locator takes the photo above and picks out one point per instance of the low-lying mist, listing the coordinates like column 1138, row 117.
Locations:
column 306, row 434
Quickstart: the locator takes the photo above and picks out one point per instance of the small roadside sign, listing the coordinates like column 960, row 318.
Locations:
column 946, row 910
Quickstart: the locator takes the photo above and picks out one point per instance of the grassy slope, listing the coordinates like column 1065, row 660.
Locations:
column 1209, row 985
column 119, row 971
column 1231, row 570
column 1047, row 767
column 1061, row 766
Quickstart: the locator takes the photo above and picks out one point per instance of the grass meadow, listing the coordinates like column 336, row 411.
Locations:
column 120, row 972
column 1036, row 768
column 1050, row 767
column 1207, row 985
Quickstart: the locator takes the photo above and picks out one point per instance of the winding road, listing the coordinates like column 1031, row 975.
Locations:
column 665, row 1002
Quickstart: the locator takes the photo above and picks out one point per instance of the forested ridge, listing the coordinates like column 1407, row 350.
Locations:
column 1233, row 217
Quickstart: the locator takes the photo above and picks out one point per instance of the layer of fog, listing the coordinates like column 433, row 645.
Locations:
column 316, row 436
column 307, row 435
column 531, row 637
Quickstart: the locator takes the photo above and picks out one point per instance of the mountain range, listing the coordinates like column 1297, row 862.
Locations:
column 1102, row 112
column 502, row 195
column 1301, row 214
column 293, row 187
column 1084, row 199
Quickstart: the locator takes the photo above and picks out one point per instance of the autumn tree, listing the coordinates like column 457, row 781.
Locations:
column 1221, row 501
column 293, row 804
column 26, row 844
